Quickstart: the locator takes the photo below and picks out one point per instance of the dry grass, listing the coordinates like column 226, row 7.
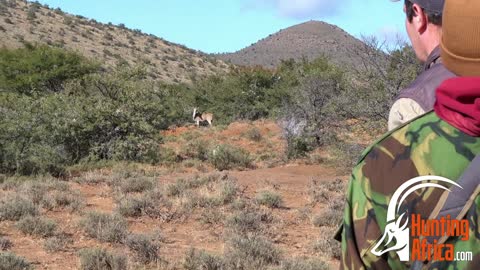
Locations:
column 37, row 226
column 16, row 207
column 269, row 199
column 105, row 227
column 145, row 247
column 10, row 261
column 101, row 259
column 5, row 244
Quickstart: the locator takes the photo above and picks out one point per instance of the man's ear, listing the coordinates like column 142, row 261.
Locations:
column 420, row 19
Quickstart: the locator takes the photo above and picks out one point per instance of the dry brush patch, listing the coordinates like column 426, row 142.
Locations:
column 100, row 259
column 105, row 227
column 15, row 207
column 37, row 226
column 331, row 195
column 5, row 243
column 10, row 261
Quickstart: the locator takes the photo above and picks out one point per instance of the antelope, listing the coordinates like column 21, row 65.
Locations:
column 395, row 229
column 200, row 117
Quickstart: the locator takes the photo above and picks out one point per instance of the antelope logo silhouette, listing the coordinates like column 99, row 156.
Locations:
column 395, row 229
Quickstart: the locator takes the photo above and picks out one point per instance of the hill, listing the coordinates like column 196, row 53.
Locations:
column 310, row 39
column 22, row 21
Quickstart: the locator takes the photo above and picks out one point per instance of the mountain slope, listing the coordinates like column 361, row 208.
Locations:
column 22, row 21
column 310, row 39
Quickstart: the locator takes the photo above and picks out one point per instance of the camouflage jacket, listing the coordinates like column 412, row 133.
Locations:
column 425, row 146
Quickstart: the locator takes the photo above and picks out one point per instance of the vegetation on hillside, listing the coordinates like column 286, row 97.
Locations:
column 114, row 45
column 60, row 109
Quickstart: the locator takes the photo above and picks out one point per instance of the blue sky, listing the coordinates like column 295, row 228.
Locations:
column 229, row 25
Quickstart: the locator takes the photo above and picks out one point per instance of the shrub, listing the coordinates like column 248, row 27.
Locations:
column 225, row 157
column 105, row 227
column 196, row 149
column 5, row 244
column 329, row 246
column 135, row 207
column 311, row 110
column 15, row 207
column 251, row 252
column 91, row 119
column 211, row 216
column 10, row 261
column 228, row 191
column 19, row 68
column 248, row 221
column 31, row 15
column 200, row 260
column 136, row 184
column 298, row 147
column 144, row 247
column 269, row 199
column 68, row 199
column 168, row 156
column 325, row 191
column 253, row 134
column 57, row 243
column 101, row 259
column 182, row 185
column 37, row 226
column 329, row 217
column 298, row 264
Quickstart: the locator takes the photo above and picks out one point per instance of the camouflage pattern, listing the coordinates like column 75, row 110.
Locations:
column 426, row 146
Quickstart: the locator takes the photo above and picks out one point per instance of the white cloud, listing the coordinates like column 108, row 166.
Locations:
column 300, row 9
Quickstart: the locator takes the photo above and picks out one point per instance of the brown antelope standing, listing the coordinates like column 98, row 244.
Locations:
column 200, row 117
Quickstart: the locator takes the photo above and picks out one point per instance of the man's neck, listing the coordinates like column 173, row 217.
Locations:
column 433, row 40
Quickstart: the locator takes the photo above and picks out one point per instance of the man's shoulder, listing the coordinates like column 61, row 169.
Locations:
column 421, row 147
column 422, row 89
column 423, row 124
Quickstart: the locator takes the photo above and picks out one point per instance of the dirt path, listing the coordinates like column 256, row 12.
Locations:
column 292, row 181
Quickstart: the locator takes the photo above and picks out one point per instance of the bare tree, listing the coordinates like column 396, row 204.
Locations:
column 386, row 69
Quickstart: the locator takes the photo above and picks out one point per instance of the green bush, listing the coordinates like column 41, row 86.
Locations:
column 196, row 149
column 37, row 226
column 15, row 207
column 136, row 184
column 137, row 206
column 10, row 261
column 57, row 243
column 40, row 69
column 200, row 260
column 253, row 134
column 270, row 199
column 101, row 259
column 225, row 157
column 105, row 227
column 251, row 252
column 248, row 221
column 244, row 93
column 144, row 247
column 100, row 118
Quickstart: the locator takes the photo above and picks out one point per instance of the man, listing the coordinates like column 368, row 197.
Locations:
column 440, row 143
column 424, row 28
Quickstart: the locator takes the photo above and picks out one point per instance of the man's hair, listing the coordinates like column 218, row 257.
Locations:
column 433, row 17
